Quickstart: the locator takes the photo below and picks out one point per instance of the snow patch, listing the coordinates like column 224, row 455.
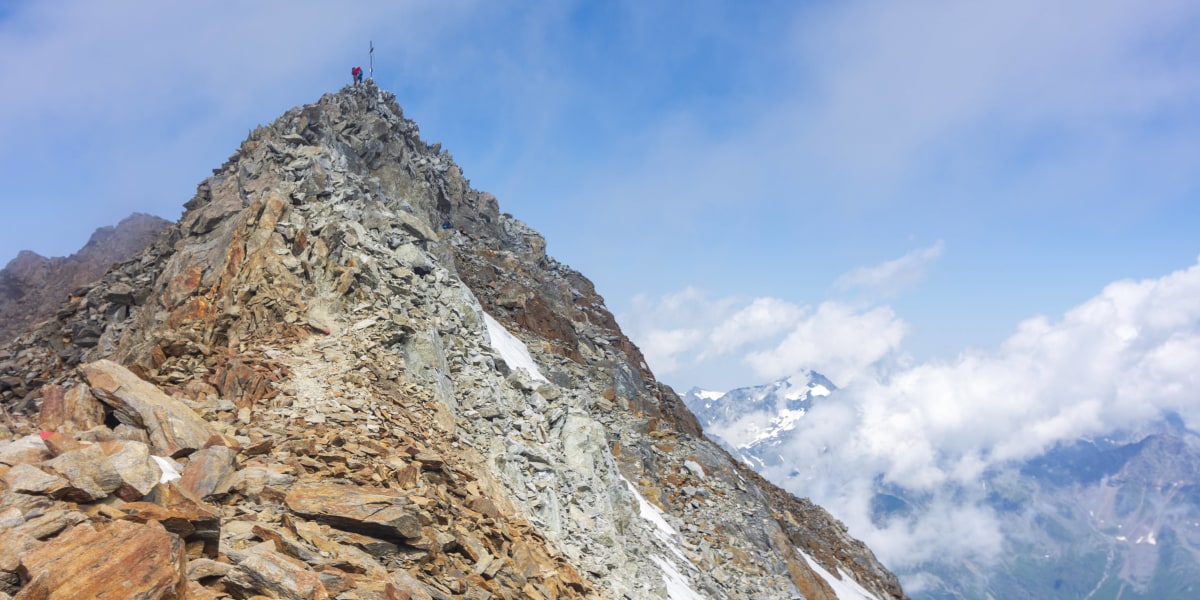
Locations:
column 676, row 584
column 784, row 421
column 819, row 390
column 170, row 469
column 844, row 588
column 650, row 512
column 663, row 530
column 511, row 349
column 709, row 395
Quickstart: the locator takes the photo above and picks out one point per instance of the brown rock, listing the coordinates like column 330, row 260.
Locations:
column 287, row 544
column 123, row 560
column 174, row 429
column 404, row 586
column 59, row 443
column 70, row 410
column 195, row 591
column 131, row 460
column 28, row 479
column 27, row 450
column 16, row 540
column 261, row 570
column 202, row 568
column 209, row 472
column 372, row 511
column 89, row 472
column 181, row 514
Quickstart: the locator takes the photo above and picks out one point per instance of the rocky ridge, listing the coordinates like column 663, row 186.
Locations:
column 32, row 286
column 320, row 345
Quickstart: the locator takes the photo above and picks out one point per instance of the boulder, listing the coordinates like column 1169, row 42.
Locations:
column 174, row 428
column 122, row 560
column 131, row 460
column 25, row 450
column 181, row 514
column 209, row 471
column 28, row 479
column 90, row 474
column 25, row 533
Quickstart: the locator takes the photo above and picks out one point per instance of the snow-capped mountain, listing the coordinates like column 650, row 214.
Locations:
column 748, row 417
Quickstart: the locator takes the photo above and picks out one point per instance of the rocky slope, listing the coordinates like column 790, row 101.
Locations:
column 32, row 286
column 376, row 385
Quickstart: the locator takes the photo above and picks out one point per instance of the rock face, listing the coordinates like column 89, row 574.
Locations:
column 32, row 286
column 409, row 397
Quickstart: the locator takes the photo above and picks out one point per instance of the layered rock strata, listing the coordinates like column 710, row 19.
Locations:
column 405, row 397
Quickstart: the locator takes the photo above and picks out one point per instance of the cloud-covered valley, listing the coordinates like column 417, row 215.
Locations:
column 933, row 428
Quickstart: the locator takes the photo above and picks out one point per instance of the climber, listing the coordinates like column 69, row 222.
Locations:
column 357, row 73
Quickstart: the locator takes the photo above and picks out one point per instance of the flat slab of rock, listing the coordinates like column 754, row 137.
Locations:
column 372, row 511
column 122, row 560
column 174, row 428
column 28, row 479
column 261, row 570
column 15, row 540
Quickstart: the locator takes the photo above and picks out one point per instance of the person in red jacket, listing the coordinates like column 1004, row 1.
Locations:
column 357, row 73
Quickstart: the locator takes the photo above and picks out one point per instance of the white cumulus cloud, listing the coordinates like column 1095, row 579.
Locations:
column 762, row 319
column 838, row 341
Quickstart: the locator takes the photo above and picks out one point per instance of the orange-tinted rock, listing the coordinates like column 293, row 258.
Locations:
column 59, row 443
column 17, row 539
column 261, row 570
column 404, row 586
column 181, row 514
column 69, row 410
column 209, row 471
column 28, row 479
column 122, row 560
column 173, row 427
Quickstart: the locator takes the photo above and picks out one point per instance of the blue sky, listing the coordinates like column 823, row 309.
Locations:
column 753, row 187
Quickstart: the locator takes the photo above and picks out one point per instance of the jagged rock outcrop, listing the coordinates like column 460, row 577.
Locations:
column 32, row 286
column 407, row 398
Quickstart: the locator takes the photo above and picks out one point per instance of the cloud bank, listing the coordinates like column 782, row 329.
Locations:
column 1120, row 359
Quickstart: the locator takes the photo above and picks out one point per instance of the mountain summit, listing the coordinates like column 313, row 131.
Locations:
column 373, row 384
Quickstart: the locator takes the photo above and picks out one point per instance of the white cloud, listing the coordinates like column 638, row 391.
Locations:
column 691, row 337
column 671, row 330
column 892, row 276
column 1115, row 361
column 837, row 341
column 764, row 318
